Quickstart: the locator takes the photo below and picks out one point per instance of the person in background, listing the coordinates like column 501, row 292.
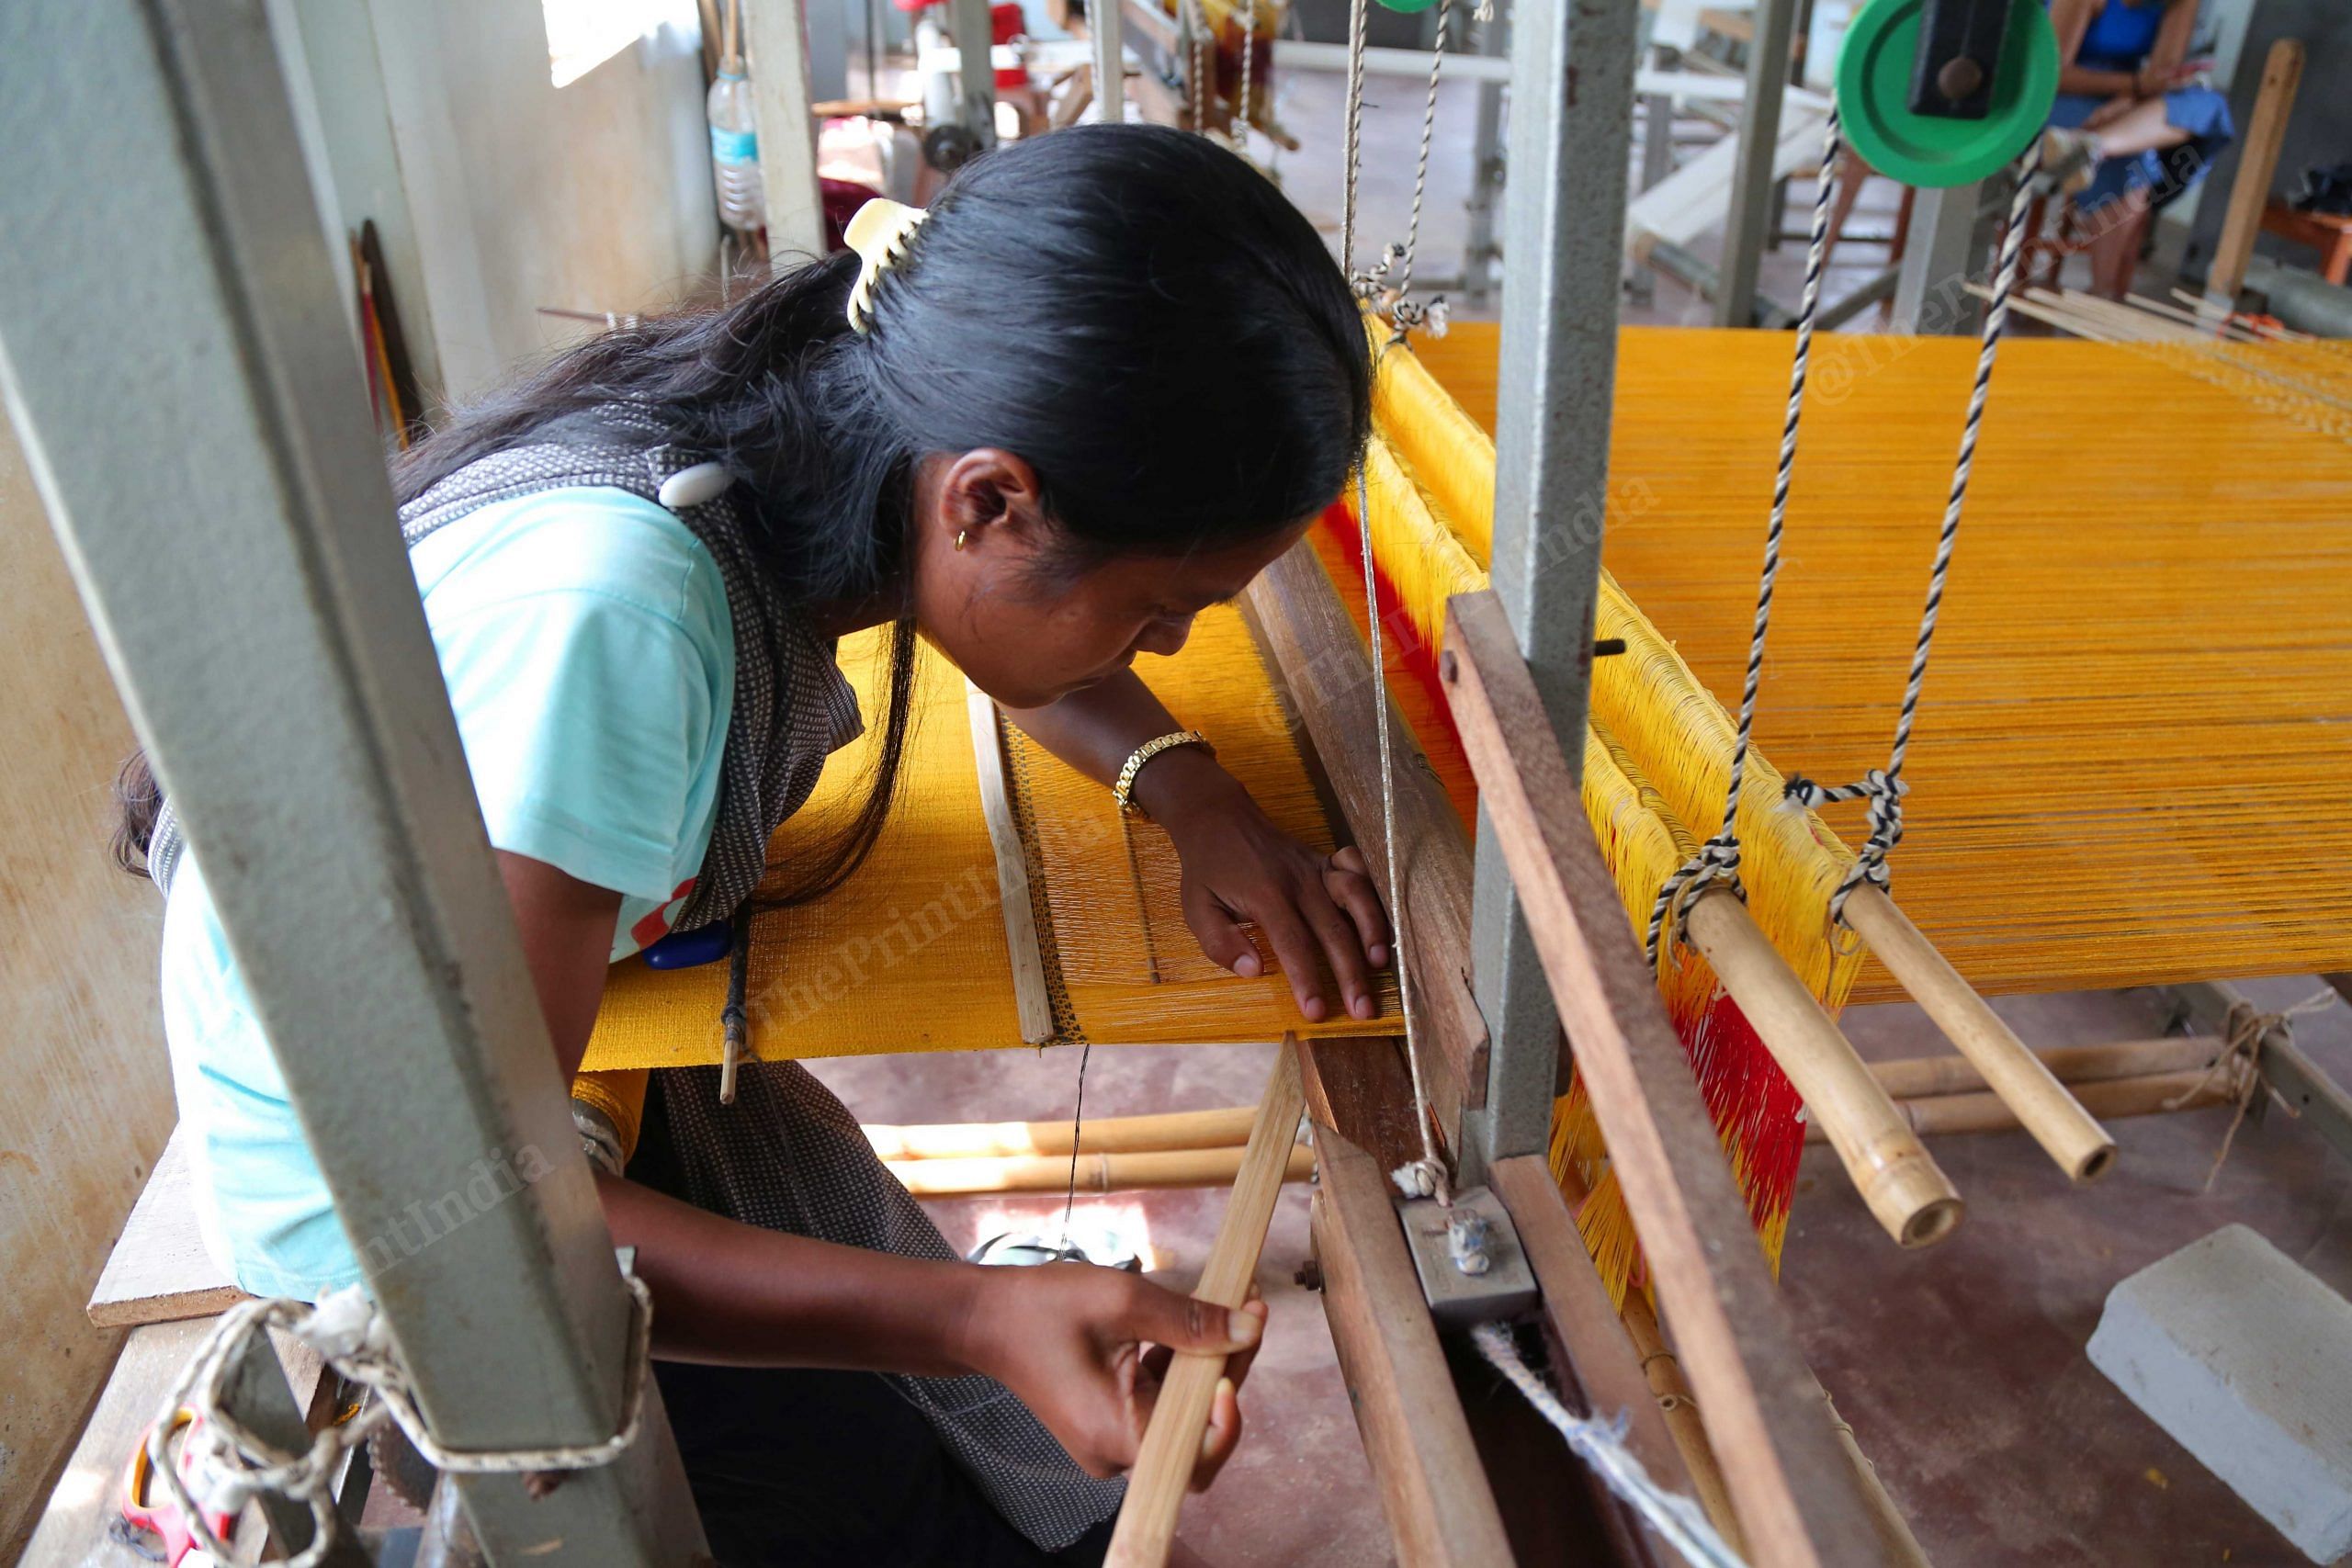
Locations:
column 2151, row 129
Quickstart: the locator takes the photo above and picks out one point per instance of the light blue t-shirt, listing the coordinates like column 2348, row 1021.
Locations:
column 591, row 661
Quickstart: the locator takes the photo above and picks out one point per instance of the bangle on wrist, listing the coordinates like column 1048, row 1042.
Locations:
column 1123, row 792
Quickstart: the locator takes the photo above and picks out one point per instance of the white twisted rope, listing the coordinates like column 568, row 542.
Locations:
column 1247, row 16
column 350, row 1336
column 1426, row 1177
column 1718, row 858
column 1884, row 787
column 1203, row 83
column 1600, row 1444
column 1393, row 301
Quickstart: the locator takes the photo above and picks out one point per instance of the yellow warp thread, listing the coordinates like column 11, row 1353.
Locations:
column 2134, row 729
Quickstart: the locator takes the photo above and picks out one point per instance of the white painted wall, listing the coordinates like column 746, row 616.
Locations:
column 89, row 1099
column 594, row 196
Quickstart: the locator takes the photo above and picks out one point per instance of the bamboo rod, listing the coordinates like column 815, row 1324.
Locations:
column 2146, row 1096
column 1681, row 1408
column 1172, row 1444
column 1903, row 1549
column 1094, row 1173
column 1920, row 1078
column 2063, row 1129
column 1221, row 1129
column 1911, row 1197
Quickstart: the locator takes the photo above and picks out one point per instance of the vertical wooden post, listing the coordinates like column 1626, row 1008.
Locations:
column 2282, row 73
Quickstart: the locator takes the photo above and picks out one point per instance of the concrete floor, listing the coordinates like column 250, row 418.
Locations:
column 1962, row 1368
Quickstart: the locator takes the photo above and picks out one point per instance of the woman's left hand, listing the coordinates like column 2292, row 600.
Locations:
column 1239, row 867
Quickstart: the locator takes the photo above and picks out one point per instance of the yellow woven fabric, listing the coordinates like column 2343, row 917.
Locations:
column 2133, row 731
column 910, row 955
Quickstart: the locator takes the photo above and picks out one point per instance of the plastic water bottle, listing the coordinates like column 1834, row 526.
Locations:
column 735, row 149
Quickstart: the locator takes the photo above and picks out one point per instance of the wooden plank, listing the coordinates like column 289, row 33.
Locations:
column 1581, row 1319
column 1031, row 1000
column 1325, row 677
column 1362, row 1090
column 2266, row 132
column 1797, row 1497
column 160, row 1271
column 1172, row 1444
column 1358, row 1092
column 1439, row 1507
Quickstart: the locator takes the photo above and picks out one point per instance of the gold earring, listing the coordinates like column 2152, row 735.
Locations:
column 959, row 537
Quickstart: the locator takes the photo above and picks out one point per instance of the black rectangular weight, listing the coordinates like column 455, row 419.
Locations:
column 1960, row 54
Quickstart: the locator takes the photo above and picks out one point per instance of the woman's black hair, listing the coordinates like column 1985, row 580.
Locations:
column 1133, row 310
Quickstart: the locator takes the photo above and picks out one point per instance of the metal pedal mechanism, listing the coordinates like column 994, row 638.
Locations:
column 1472, row 1267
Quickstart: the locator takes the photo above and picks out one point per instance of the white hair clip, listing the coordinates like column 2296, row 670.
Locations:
column 879, row 234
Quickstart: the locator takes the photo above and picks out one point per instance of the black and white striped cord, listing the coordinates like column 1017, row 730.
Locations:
column 1387, row 285
column 1718, row 858
column 1884, row 787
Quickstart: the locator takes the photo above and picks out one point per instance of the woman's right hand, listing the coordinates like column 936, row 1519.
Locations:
column 1085, row 1347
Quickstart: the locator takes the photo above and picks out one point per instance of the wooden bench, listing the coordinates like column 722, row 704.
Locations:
column 2329, row 234
column 159, row 1270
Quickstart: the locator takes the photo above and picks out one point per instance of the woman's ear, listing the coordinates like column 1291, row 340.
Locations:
column 990, row 496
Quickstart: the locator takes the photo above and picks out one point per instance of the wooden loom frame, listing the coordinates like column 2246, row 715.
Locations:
column 1799, row 1497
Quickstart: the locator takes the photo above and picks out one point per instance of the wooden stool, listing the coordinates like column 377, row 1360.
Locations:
column 2329, row 234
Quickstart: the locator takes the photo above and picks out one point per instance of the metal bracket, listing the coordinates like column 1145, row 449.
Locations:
column 1960, row 54
column 1472, row 1267
column 2294, row 1077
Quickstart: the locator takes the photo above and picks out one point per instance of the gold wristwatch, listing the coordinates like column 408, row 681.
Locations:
column 1124, row 790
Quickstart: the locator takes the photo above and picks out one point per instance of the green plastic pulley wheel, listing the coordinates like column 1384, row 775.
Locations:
column 1874, row 70
column 1408, row 6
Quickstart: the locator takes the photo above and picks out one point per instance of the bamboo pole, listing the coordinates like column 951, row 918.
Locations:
column 1903, row 1548
column 1221, row 1129
column 1920, row 1078
column 1663, row 1371
column 2149, row 1095
column 1891, row 1169
column 1172, row 1444
column 2058, row 1122
column 1091, row 1172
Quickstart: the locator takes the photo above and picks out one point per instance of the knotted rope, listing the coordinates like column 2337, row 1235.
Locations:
column 347, row 1332
column 1394, row 301
column 1717, row 860
column 2239, row 1067
column 1427, row 1176
column 1884, row 787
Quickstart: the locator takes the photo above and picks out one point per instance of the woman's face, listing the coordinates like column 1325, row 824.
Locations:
column 1026, row 629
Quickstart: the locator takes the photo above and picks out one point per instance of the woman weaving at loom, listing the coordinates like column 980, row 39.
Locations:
column 635, row 564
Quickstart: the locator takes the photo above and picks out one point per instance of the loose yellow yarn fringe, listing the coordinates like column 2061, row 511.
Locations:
column 1657, row 760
